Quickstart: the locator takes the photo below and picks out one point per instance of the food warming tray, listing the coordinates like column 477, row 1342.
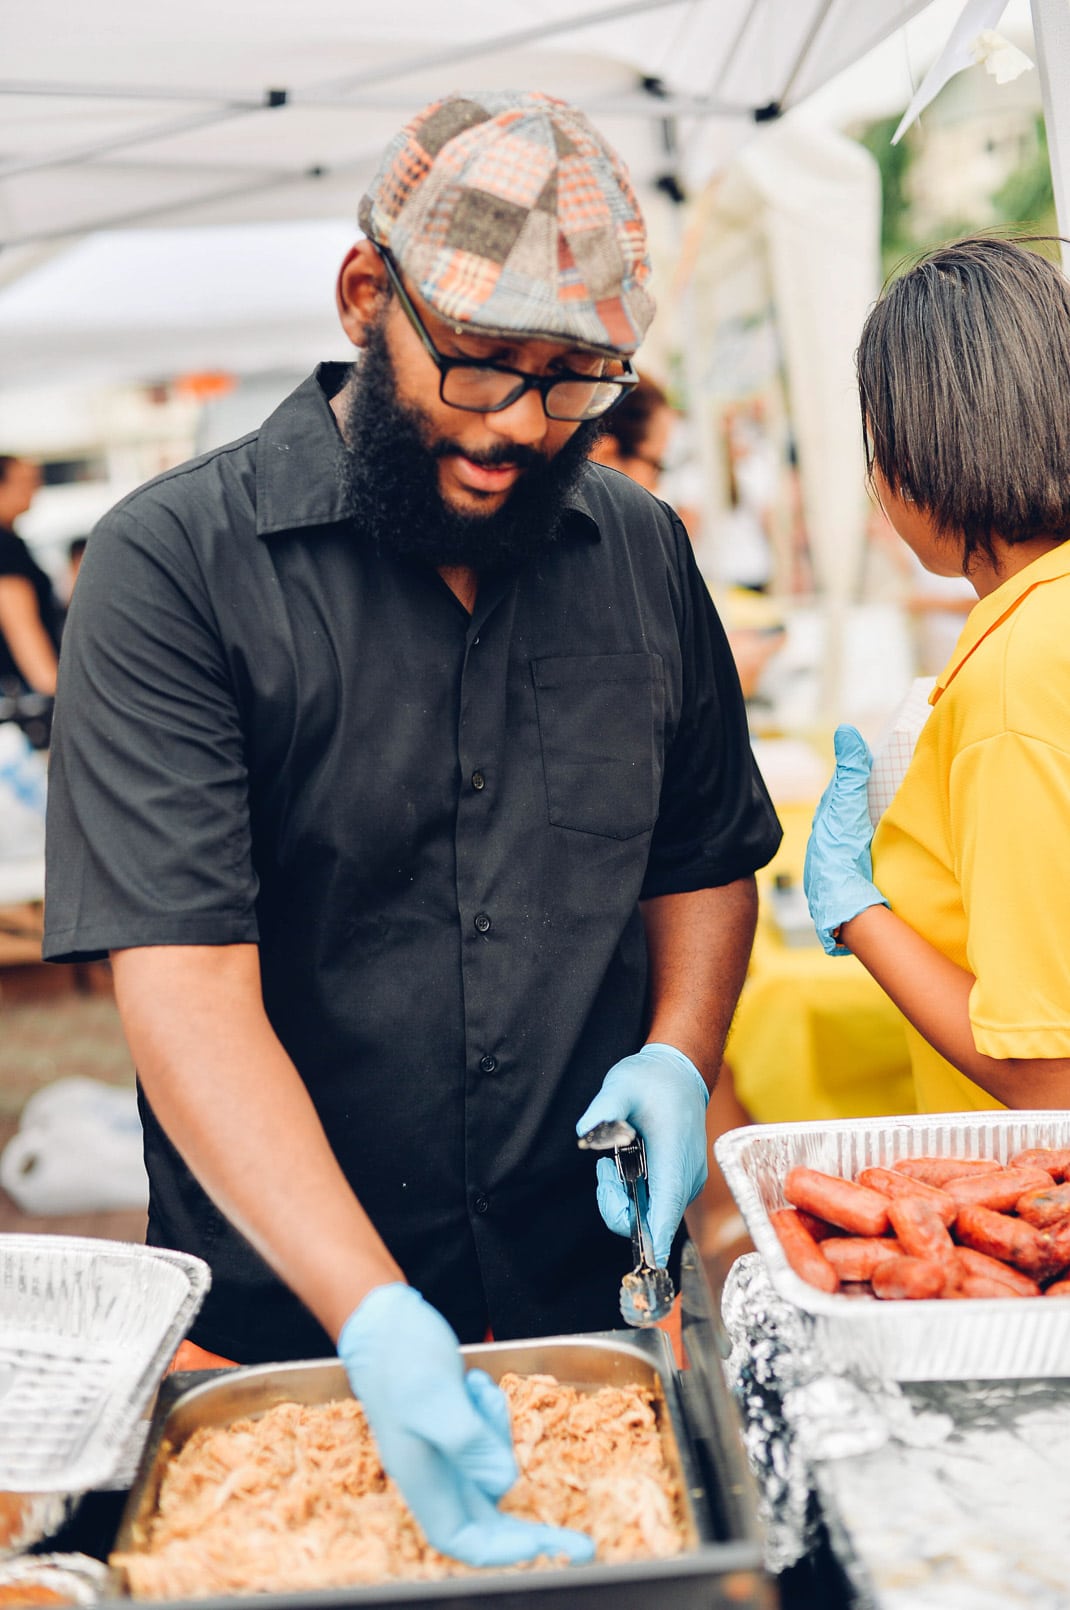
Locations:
column 715, row 1570
column 87, row 1330
column 933, row 1340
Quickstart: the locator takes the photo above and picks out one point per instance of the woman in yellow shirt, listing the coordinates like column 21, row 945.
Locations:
column 960, row 909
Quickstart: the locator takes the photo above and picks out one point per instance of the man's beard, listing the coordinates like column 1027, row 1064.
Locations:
column 391, row 480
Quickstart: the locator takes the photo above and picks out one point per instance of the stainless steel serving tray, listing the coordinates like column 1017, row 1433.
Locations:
column 87, row 1329
column 1004, row 1338
column 645, row 1359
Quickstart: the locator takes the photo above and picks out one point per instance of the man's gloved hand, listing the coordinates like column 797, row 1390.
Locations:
column 663, row 1096
column 838, row 872
column 442, row 1435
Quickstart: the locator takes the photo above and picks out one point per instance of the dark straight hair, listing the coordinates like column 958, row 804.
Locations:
column 964, row 382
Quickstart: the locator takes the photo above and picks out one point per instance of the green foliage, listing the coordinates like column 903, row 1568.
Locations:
column 894, row 163
column 1025, row 200
column 1023, row 203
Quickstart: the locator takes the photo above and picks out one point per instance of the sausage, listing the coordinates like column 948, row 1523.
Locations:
column 1044, row 1207
column 999, row 1190
column 979, row 1263
column 890, row 1183
column 841, row 1202
column 854, row 1257
column 938, row 1170
column 802, row 1251
column 1057, row 1247
column 1058, row 1288
column 1011, row 1240
column 1054, row 1159
column 820, row 1229
column 965, row 1284
column 912, row 1278
column 919, row 1228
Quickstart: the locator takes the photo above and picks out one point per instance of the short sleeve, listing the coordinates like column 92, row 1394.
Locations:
column 148, row 834
column 12, row 559
column 1010, row 827
column 716, row 822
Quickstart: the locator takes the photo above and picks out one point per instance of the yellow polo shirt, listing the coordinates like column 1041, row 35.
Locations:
column 974, row 850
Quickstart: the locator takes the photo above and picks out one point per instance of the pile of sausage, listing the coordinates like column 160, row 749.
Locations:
column 934, row 1226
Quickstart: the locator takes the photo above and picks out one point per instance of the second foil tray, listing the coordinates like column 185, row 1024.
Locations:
column 935, row 1340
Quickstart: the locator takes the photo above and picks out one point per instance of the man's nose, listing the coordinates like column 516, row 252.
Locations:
column 523, row 422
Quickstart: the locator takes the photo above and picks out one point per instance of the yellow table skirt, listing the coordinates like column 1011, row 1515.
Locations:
column 814, row 1036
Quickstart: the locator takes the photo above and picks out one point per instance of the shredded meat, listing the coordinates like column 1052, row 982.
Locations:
column 297, row 1499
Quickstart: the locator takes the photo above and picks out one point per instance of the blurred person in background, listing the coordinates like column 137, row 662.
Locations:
column 636, row 435
column 959, row 905
column 740, row 548
column 29, row 615
column 402, row 769
column 75, row 554
column 636, row 439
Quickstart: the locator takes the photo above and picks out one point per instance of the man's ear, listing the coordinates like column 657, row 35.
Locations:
column 360, row 291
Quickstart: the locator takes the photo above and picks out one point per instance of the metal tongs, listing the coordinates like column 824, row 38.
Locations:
column 646, row 1295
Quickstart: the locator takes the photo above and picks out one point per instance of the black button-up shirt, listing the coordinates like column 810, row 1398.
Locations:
column 437, row 827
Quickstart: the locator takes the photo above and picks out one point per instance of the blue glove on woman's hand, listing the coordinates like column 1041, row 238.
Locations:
column 838, row 872
column 663, row 1096
column 442, row 1435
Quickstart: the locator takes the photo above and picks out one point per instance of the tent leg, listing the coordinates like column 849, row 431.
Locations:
column 1051, row 30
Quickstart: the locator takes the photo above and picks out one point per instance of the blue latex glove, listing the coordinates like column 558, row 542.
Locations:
column 838, row 872
column 443, row 1435
column 663, row 1096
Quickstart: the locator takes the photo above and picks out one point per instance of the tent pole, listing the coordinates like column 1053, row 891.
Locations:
column 1051, row 30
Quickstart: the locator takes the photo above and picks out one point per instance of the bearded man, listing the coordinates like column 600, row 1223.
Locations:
column 402, row 770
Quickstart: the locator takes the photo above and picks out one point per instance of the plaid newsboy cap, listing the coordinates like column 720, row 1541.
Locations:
column 507, row 212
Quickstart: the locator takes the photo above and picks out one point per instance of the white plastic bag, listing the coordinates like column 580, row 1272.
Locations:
column 23, row 783
column 77, row 1150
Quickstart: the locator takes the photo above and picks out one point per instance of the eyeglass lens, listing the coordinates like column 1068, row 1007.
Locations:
column 490, row 389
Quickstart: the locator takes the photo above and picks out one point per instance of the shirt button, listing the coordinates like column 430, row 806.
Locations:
column 481, row 1204
column 489, row 1064
column 482, row 922
column 478, row 781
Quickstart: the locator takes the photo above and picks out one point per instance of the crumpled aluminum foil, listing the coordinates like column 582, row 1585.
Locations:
column 975, row 1522
column 796, row 1412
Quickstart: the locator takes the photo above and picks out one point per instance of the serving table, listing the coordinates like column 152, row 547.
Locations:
column 947, row 1495
column 724, row 1571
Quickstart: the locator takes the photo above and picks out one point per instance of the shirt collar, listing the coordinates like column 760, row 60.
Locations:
column 299, row 479
column 989, row 613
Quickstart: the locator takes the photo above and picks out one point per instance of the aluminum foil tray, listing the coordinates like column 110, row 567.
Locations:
column 984, row 1339
column 87, row 1330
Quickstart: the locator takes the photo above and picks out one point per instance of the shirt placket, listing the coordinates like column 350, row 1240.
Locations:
column 484, row 920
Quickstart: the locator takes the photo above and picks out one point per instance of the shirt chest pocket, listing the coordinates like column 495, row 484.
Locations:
column 601, row 727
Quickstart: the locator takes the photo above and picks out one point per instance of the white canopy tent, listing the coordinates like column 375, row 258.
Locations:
column 179, row 199
column 794, row 225
column 132, row 114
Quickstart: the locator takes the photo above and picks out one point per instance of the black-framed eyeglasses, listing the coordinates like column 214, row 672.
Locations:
column 487, row 388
